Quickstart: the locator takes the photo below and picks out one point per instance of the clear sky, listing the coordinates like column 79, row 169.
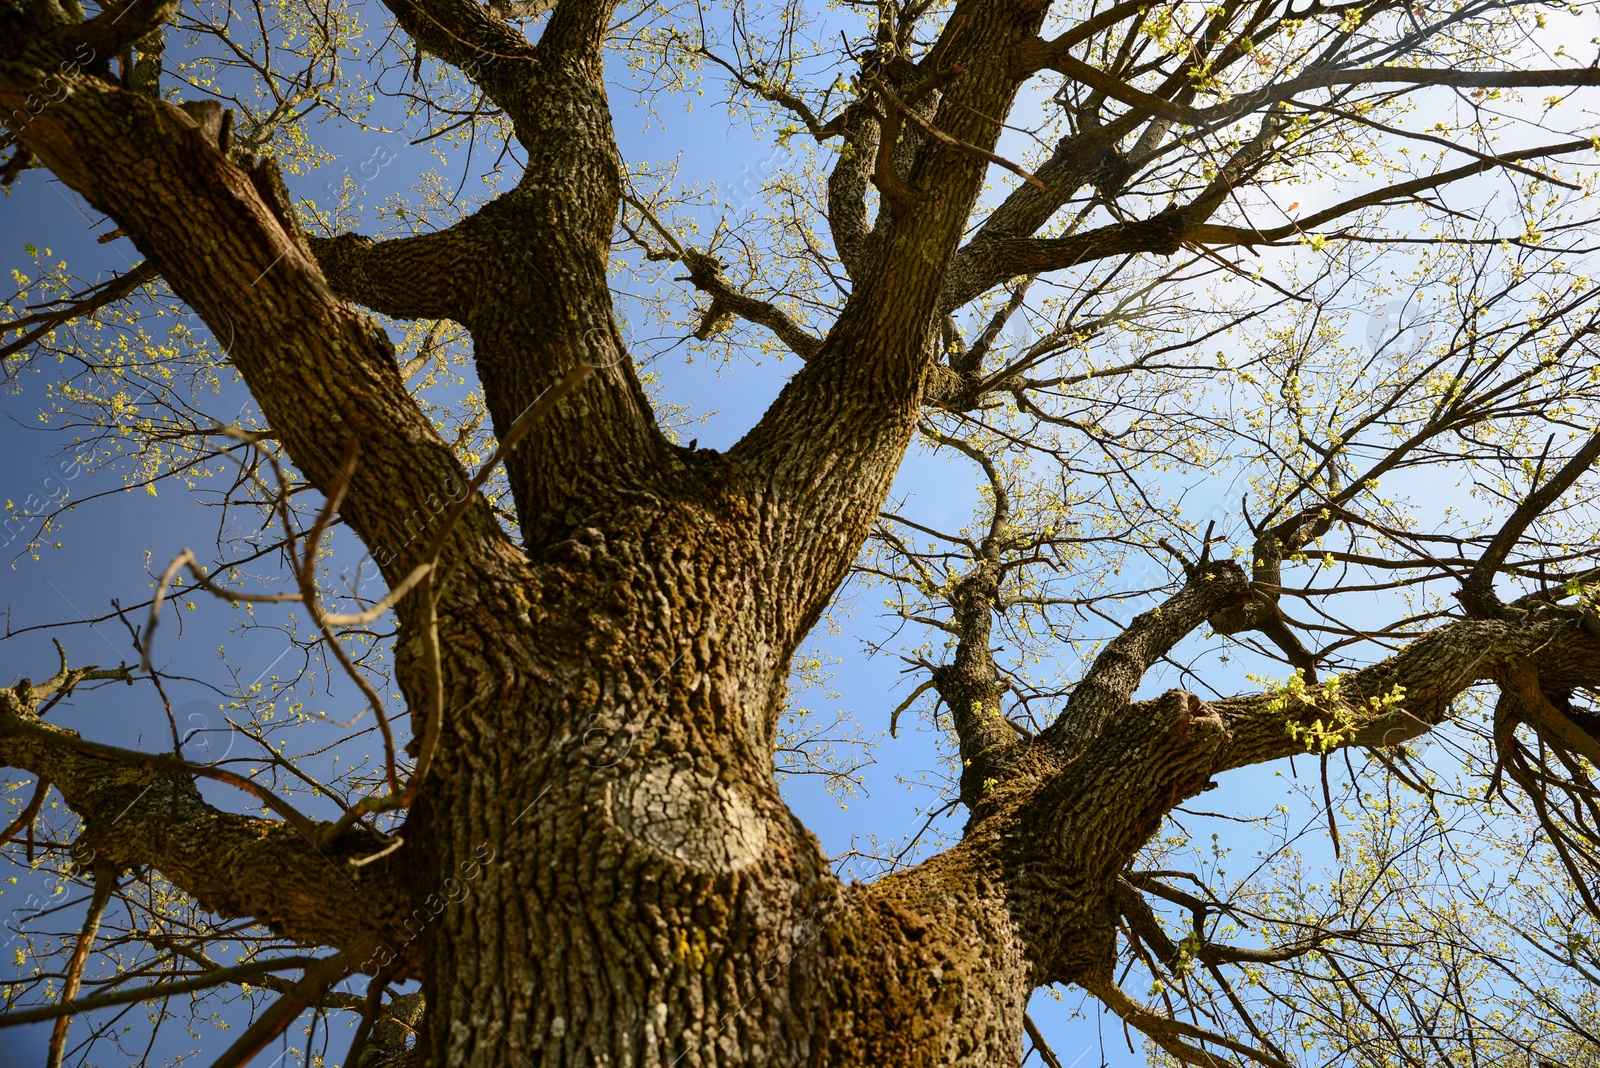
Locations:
column 109, row 545
column 104, row 545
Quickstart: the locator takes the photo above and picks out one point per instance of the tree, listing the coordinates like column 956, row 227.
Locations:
column 576, row 841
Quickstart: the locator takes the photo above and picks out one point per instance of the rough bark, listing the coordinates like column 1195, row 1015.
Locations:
column 599, row 867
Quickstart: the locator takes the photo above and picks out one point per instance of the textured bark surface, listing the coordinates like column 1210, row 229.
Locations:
column 615, row 875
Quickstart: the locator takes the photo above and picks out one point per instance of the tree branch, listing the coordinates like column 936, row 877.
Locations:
column 1213, row 234
column 1409, row 693
column 705, row 271
column 153, row 992
column 847, row 186
column 283, row 1012
column 422, row 277
column 119, row 25
column 825, row 451
column 1477, row 593
column 86, row 303
column 475, row 41
column 1057, row 55
column 323, row 374
column 987, row 263
column 143, row 811
column 1111, row 680
column 1170, row 1034
column 105, row 881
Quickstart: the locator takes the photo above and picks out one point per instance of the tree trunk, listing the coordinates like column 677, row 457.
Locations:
column 617, row 878
column 599, row 866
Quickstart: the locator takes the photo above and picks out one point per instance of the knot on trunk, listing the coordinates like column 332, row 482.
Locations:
column 1165, row 231
column 393, row 1043
column 690, row 818
column 1156, row 755
column 1478, row 597
column 1238, row 618
column 1111, row 172
column 1184, row 732
column 964, row 391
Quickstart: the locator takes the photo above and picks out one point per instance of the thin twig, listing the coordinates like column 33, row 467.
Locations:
column 283, row 1012
column 153, row 991
column 945, row 139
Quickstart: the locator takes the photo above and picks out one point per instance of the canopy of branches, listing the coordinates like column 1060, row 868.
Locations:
column 1157, row 287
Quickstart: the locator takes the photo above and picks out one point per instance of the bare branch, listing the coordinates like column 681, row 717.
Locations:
column 1111, row 680
column 155, row 991
column 1477, row 589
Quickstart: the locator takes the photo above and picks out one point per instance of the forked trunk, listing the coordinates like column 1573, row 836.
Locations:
column 608, row 872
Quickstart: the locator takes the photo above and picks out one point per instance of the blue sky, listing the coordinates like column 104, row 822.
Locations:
column 104, row 545
column 108, row 545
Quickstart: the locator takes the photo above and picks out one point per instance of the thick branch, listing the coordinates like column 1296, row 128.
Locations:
column 969, row 684
column 474, row 40
column 520, row 9
column 1266, row 573
column 705, row 272
column 828, row 447
column 1409, row 693
column 847, row 186
column 1109, row 685
column 236, row 866
column 991, row 261
column 324, row 375
column 119, row 25
column 1090, row 157
column 532, row 278
column 426, row 277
